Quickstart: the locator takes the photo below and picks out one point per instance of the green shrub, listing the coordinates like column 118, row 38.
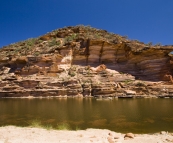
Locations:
column 63, row 126
column 72, row 73
column 36, row 53
column 150, row 44
column 35, row 123
column 140, row 84
column 53, row 43
column 70, row 38
column 127, row 81
column 30, row 42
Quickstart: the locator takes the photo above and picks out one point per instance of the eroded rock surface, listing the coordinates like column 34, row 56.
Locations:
column 83, row 62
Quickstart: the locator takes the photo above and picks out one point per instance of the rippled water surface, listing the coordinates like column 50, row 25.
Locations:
column 120, row 115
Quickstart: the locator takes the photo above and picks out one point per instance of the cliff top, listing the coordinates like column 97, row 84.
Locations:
column 59, row 38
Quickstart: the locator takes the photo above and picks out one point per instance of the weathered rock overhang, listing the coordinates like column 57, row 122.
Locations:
column 143, row 62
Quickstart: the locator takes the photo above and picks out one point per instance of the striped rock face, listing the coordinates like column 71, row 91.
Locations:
column 75, row 61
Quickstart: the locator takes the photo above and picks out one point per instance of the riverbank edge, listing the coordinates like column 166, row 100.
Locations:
column 32, row 134
column 87, row 97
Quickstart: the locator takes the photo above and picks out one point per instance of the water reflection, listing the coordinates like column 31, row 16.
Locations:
column 122, row 115
column 149, row 120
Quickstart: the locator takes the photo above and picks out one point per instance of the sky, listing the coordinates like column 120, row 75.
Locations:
column 143, row 20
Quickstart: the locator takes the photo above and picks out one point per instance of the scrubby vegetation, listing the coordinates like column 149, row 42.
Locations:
column 38, row 124
column 51, row 41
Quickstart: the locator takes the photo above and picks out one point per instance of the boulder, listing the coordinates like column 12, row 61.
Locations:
column 129, row 135
column 130, row 92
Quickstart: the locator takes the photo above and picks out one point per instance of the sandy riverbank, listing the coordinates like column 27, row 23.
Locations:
column 12, row 134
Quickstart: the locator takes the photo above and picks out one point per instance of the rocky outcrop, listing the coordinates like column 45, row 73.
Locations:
column 83, row 62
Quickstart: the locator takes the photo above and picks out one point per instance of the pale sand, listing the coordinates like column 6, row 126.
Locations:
column 11, row 134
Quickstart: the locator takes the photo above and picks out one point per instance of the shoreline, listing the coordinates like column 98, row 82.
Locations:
column 40, row 135
column 87, row 97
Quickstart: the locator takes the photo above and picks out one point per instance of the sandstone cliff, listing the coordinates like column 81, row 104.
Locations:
column 84, row 61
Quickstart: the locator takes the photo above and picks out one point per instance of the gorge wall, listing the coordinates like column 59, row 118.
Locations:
column 84, row 61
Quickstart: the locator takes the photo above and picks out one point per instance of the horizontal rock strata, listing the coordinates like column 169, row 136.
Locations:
column 83, row 62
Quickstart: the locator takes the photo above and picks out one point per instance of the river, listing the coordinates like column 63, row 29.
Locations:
column 120, row 115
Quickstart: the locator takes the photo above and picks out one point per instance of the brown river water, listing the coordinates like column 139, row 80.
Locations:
column 120, row 115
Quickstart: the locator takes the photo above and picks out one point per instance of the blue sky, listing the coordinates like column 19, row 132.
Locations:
column 143, row 20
